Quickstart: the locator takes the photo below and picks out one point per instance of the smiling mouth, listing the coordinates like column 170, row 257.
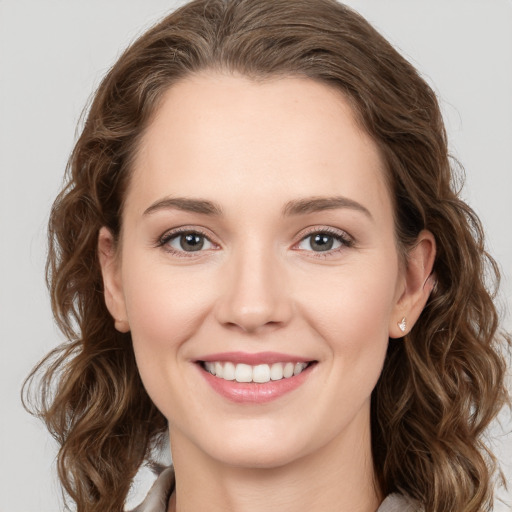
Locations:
column 260, row 374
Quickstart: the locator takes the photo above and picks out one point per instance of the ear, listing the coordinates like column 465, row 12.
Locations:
column 112, row 285
column 417, row 285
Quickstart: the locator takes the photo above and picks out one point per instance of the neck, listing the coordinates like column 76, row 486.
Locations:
column 339, row 477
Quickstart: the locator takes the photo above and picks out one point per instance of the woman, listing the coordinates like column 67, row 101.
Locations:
column 258, row 251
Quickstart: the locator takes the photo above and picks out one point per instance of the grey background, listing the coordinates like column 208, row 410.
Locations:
column 53, row 54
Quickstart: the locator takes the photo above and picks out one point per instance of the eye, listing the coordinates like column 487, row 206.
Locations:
column 186, row 241
column 323, row 241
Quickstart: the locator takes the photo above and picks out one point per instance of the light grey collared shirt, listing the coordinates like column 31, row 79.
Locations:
column 158, row 497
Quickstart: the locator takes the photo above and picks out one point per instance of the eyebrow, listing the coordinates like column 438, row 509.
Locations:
column 318, row 204
column 185, row 204
column 295, row 207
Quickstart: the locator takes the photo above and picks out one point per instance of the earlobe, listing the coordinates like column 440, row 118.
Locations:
column 419, row 282
column 114, row 298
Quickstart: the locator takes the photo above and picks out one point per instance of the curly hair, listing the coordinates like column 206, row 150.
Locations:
column 440, row 386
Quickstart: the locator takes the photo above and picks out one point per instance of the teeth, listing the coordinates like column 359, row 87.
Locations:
column 243, row 373
column 229, row 371
column 277, row 371
column 260, row 373
column 298, row 368
column 288, row 370
column 210, row 367
column 219, row 370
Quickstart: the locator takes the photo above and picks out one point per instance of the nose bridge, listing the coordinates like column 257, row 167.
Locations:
column 254, row 292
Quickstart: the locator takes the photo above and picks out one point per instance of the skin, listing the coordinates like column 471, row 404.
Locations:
column 258, row 285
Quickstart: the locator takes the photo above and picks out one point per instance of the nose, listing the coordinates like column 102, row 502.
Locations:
column 254, row 293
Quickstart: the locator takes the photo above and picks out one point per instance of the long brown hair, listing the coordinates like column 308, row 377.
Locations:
column 441, row 385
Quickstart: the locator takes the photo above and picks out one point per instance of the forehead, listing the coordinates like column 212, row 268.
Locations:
column 233, row 137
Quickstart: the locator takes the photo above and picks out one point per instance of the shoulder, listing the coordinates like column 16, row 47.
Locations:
column 158, row 496
column 399, row 503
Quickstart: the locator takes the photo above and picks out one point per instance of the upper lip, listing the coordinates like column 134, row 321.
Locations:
column 253, row 359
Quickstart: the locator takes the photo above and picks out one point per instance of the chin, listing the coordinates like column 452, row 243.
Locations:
column 259, row 451
column 259, row 459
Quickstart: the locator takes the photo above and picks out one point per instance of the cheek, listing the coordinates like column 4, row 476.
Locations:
column 161, row 299
column 165, row 308
column 352, row 302
column 352, row 314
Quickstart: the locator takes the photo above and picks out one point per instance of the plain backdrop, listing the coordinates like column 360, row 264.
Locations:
column 53, row 54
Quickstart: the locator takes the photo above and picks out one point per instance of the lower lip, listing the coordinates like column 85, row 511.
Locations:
column 252, row 392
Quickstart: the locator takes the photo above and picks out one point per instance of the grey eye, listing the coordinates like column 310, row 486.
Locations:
column 189, row 242
column 320, row 242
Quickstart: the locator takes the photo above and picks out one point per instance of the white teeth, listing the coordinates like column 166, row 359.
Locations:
column 229, row 371
column 210, row 367
column 288, row 370
column 298, row 368
column 243, row 373
column 260, row 373
column 276, row 371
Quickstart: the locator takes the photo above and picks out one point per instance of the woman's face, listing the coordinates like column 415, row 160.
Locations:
column 257, row 234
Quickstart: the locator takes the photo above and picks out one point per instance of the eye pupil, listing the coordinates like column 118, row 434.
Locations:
column 191, row 242
column 322, row 242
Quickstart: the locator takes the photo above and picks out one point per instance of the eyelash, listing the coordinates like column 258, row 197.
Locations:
column 340, row 236
column 164, row 240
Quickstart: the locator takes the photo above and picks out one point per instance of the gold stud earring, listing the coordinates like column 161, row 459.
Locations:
column 402, row 325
